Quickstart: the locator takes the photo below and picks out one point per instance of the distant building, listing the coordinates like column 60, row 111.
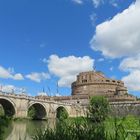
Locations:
column 93, row 83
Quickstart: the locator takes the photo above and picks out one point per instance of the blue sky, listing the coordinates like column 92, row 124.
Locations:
column 46, row 42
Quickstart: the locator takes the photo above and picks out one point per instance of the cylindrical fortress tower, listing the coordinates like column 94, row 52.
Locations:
column 95, row 83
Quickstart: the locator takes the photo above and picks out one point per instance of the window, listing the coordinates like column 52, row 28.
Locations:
column 78, row 102
column 84, row 81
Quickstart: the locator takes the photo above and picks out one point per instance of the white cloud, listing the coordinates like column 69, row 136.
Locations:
column 101, row 60
column 4, row 73
column 8, row 88
column 96, row 3
column 111, row 68
column 66, row 68
column 114, row 3
column 119, row 36
column 45, row 60
column 132, row 80
column 18, row 76
column 9, row 73
column 42, row 93
column 38, row 77
column 11, row 89
column 78, row 1
column 93, row 18
column 130, row 63
column 58, row 94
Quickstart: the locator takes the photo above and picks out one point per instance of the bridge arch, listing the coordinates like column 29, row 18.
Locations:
column 37, row 110
column 8, row 106
column 61, row 112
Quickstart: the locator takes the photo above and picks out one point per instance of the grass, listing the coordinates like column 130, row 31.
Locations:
column 126, row 128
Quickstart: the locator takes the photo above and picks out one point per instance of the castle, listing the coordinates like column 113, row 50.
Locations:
column 94, row 83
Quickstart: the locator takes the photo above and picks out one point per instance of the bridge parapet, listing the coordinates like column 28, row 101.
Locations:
column 23, row 96
column 22, row 103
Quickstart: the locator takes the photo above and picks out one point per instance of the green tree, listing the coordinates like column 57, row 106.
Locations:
column 32, row 113
column 98, row 109
column 62, row 114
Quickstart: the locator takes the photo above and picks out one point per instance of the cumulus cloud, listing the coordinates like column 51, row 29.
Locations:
column 9, row 73
column 130, row 63
column 8, row 88
column 5, row 73
column 132, row 80
column 11, row 89
column 66, row 68
column 18, row 76
column 119, row 36
column 38, row 77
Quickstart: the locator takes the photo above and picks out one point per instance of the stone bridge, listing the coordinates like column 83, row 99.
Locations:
column 17, row 105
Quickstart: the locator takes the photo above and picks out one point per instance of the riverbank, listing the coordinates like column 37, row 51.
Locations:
column 74, row 129
column 125, row 128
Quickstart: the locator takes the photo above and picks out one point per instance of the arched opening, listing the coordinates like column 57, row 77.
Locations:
column 7, row 107
column 37, row 112
column 61, row 113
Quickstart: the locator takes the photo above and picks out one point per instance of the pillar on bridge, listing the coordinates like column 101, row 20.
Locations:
column 21, row 108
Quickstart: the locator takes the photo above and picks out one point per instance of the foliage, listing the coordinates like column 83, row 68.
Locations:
column 62, row 114
column 124, row 128
column 98, row 109
column 66, row 130
column 83, row 129
column 32, row 112
column 1, row 111
column 4, row 121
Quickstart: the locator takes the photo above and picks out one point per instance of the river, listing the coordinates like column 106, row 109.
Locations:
column 25, row 129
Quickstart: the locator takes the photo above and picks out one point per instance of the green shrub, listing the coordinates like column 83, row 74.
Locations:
column 98, row 109
column 4, row 121
column 62, row 114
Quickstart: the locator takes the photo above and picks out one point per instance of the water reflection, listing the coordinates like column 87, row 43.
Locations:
column 25, row 129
